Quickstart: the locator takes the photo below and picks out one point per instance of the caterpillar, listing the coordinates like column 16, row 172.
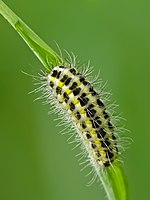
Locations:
column 79, row 99
column 83, row 106
column 83, row 110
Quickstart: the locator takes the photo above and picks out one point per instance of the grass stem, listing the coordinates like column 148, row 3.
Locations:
column 44, row 53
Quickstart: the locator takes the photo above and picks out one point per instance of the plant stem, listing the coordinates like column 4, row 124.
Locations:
column 114, row 183
column 44, row 53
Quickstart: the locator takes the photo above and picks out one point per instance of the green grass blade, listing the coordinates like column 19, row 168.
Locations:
column 118, row 183
column 114, row 183
column 44, row 53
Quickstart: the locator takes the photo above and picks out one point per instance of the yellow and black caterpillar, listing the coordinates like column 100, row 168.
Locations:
column 84, row 105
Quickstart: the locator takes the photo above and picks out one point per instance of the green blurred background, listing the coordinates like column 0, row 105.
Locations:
column 36, row 163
